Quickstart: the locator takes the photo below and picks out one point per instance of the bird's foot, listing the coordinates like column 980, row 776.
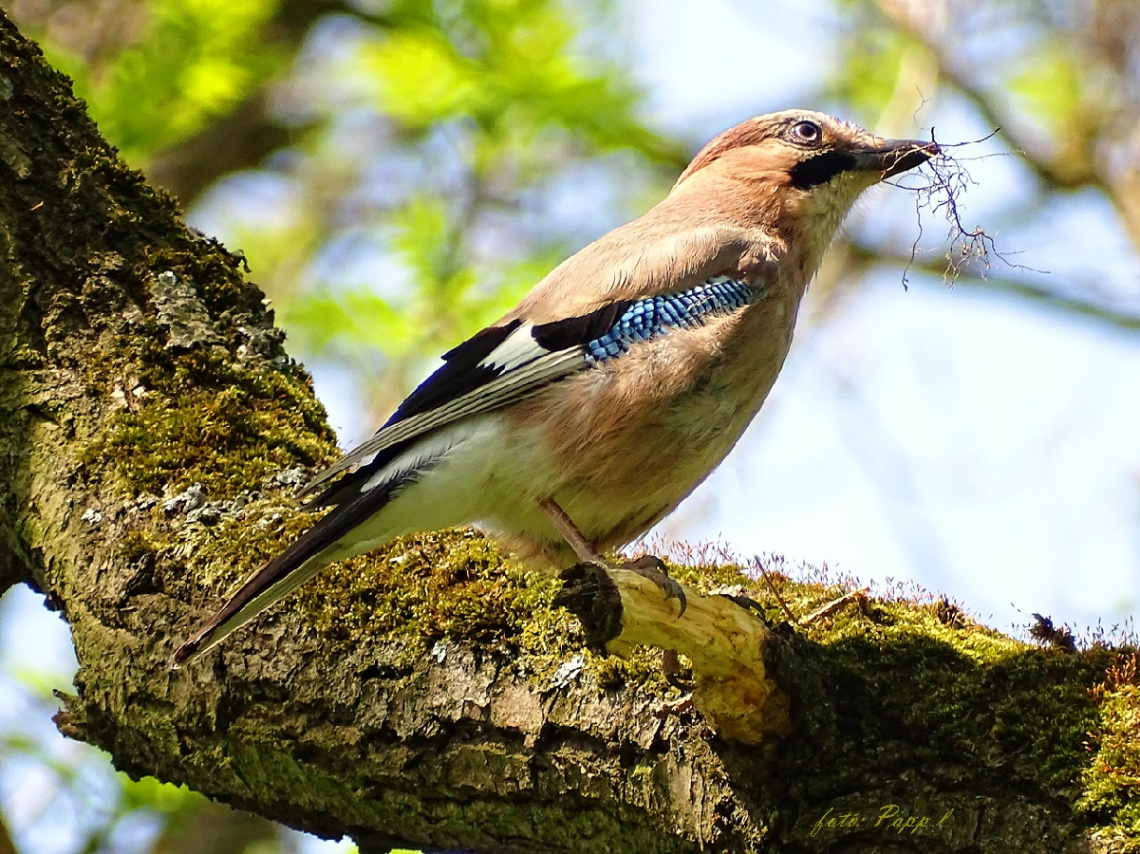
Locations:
column 653, row 568
column 737, row 594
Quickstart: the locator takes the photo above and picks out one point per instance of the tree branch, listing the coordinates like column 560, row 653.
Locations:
column 727, row 645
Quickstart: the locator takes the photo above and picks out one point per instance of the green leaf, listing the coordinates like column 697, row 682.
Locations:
column 1048, row 85
column 192, row 64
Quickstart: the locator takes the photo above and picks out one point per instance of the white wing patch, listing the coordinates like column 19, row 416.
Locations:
column 517, row 349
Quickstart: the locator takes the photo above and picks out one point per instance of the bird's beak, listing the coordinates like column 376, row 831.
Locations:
column 894, row 156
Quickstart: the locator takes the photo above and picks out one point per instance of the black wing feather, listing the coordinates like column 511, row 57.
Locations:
column 580, row 331
column 460, row 373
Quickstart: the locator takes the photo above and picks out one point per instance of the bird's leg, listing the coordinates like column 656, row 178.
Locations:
column 646, row 566
column 570, row 533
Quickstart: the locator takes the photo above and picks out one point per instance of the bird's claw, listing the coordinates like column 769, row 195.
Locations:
column 653, row 568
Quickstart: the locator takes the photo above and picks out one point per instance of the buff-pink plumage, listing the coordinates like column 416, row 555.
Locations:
column 587, row 413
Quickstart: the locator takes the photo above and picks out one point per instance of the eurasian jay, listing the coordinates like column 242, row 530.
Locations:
column 587, row 413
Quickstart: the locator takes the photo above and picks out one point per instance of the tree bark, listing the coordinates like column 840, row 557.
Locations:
column 430, row 695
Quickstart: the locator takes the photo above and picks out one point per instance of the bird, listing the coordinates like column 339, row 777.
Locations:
column 585, row 415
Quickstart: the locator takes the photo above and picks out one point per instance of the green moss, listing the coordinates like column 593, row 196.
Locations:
column 223, row 555
column 1112, row 782
column 960, row 695
column 447, row 585
column 641, row 668
column 962, row 692
column 969, row 691
column 205, row 418
column 136, row 545
column 434, row 585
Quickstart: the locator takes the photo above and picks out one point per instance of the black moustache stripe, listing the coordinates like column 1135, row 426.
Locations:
column 820, row 169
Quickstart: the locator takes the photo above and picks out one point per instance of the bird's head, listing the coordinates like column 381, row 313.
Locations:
column 802, row 166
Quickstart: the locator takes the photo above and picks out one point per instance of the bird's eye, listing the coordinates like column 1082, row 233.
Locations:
column 806, row 132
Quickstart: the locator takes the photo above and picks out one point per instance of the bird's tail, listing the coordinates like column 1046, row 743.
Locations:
column 266, row 587
column 285, row 573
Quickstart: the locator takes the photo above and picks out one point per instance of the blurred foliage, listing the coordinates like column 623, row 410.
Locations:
column 430, row 161
column 169, row 68
column 1061, row 80
column 1047, row 85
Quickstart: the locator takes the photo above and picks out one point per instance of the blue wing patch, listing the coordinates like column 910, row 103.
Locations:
column 648, row 318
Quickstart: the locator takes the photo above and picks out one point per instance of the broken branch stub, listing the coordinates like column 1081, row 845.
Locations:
column 621, row 609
